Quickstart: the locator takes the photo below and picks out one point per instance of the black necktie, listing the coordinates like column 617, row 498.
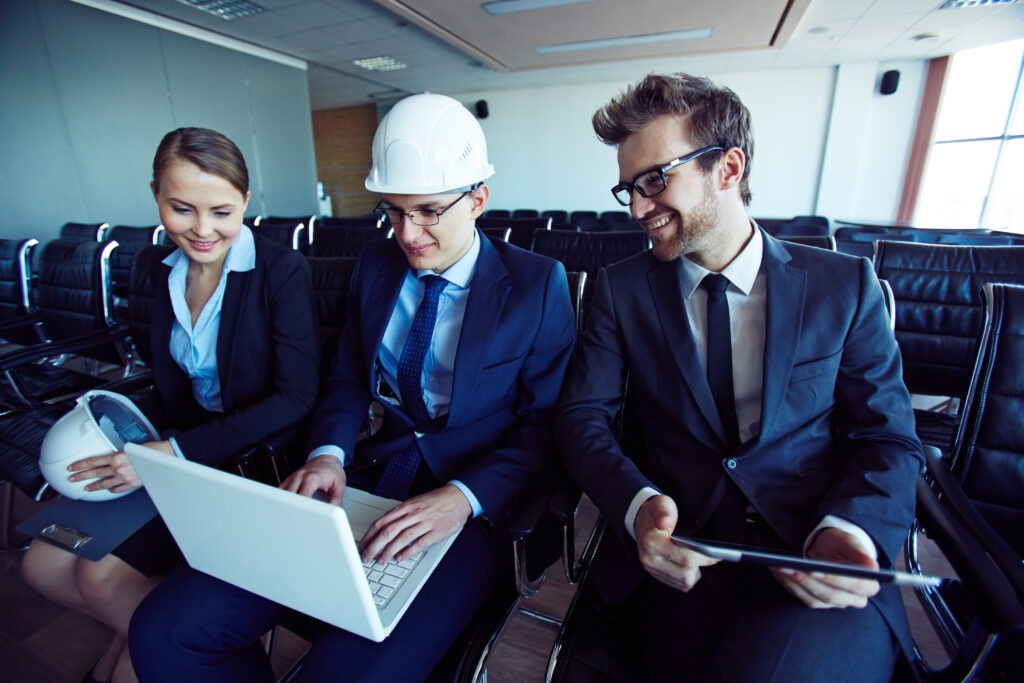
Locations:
column 398, row 475
column 720, row 355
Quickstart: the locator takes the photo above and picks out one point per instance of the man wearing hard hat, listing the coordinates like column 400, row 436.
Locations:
column 464, row 342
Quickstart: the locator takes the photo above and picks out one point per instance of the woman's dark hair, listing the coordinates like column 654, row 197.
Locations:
column 715, row 114
column 209, row 150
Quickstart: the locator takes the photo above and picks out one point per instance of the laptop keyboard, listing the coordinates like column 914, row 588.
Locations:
column 385, row 579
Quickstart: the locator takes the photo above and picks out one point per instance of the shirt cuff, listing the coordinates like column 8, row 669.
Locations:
column 177, row 449
column 639, row 499
column 860, row 536
column 336, row 451
column 473, row 502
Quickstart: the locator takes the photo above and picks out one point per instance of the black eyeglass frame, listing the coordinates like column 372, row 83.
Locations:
column 661, row 171
column 383, row 212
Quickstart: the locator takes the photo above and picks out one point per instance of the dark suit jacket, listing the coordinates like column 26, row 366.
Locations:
column 517, row 338
column 837, row 430
column 267, row 354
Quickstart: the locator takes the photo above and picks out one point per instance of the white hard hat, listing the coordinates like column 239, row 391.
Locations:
column 102, row 423
column 428, row 144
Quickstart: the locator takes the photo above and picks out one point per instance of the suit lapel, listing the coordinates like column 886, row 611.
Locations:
column 377, row 307
column 666, row 292
column 489, row 290
column 235, row 292
column 786, row 295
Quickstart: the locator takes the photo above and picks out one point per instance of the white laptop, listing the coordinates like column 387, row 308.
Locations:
column 294, row 550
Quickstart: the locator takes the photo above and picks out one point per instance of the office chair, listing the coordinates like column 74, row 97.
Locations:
column 343, row 241
column 938, row 289
column 497, row 233
column 130, row 239
column 820, row 241
column 84, row 232
column 16, row 308
column 589, row 251
column 522, row 229
column 286, row 233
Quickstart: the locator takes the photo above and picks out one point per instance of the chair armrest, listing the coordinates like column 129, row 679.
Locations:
column 992, row 594
column 956, row 501
column 38, row 352
column 21, row 321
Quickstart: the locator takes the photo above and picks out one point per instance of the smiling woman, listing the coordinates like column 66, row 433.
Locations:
column 235, row 359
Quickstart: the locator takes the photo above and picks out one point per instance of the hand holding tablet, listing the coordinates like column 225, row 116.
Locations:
column 737, row 553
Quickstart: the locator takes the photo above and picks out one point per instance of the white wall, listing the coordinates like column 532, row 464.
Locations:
column 825, row 142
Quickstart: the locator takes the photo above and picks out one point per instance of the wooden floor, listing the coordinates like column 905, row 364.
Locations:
column 44, row 643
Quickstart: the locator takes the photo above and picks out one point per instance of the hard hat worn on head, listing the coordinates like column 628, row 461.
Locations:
column 101, row 423
column 428, row 144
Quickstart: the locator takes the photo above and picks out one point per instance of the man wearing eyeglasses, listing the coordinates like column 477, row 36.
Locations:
column 765, row 406
column 464, row 342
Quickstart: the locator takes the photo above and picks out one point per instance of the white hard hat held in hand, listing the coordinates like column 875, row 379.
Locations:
column 101, row 423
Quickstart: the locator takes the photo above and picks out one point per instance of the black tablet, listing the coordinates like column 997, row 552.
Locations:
column 738, row 553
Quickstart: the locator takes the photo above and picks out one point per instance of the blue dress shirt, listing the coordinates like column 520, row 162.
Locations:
column 194, row 348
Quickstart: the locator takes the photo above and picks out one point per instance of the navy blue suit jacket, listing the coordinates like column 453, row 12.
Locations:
column 268, row 359
column 837, row 430
column 516, row 342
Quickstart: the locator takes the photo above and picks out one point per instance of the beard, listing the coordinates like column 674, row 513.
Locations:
column 695, row 231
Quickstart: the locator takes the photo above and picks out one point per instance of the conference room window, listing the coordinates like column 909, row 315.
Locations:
column 973, row 173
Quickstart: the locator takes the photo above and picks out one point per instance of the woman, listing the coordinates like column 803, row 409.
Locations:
column 235, row 359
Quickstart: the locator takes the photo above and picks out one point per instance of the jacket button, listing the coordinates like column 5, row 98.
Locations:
column 731, row 463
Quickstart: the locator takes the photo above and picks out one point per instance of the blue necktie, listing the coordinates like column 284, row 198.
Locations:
column 720, row 355
column 400, row 471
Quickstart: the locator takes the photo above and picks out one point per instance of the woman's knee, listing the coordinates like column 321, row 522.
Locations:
column 108, row 581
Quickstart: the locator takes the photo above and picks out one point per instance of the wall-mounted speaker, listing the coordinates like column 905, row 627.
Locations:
column 890, row 81
column 482, row 111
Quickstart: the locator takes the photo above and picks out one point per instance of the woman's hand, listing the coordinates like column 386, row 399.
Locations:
column 113, row 472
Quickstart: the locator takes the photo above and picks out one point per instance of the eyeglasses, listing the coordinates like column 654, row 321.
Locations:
column 654, row 182
column 421, row 217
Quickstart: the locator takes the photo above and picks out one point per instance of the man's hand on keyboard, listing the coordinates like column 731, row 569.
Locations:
column 416, row 524
column 322, row 473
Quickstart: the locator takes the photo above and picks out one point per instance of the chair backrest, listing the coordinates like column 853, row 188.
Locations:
column 84, row 232
column 130, row 239
column 556, row 215
column 820, row 241
column 15, row 279
column 497, row 213
column 589, row 251
column 525, row 213
column 988, row 450
column 938, row 289
column 72, row 293
column 335, row 241
column 286, row 233
column 497, row 233
column 142, row 292
column 332, row 276
column 522, row 229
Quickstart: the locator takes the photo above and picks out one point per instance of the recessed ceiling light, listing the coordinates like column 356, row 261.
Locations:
column 510, row 6
column 926, row 37
column 957, row 4
column 380, row 64
column 225, row 9
column 625, row 41
column 818, row 29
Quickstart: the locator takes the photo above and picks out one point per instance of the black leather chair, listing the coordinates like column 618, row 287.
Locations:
column 287, row 233
column 497, row 233
column 820, row 241
column 556, row 215
column 84, row 232
column 16, row 308
column 522, row 229
column 73, row 307
column 497, row 213
column 797, row 225
column 525, row 213
column 341, row 241
column 938, row 288
column 589, row 251
column 130, row 239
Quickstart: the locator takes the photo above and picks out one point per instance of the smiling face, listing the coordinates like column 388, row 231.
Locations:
column 201, row 212
column 437, row 247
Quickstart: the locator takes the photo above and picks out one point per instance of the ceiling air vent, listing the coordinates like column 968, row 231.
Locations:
column 225, row 9
column 957, row 4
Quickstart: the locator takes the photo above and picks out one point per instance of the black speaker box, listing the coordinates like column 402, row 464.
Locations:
column 482, row 111
column 890, row 81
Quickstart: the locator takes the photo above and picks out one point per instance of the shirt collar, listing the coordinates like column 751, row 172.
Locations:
column 241, row 255
column 741, row 273
column 460, row 272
